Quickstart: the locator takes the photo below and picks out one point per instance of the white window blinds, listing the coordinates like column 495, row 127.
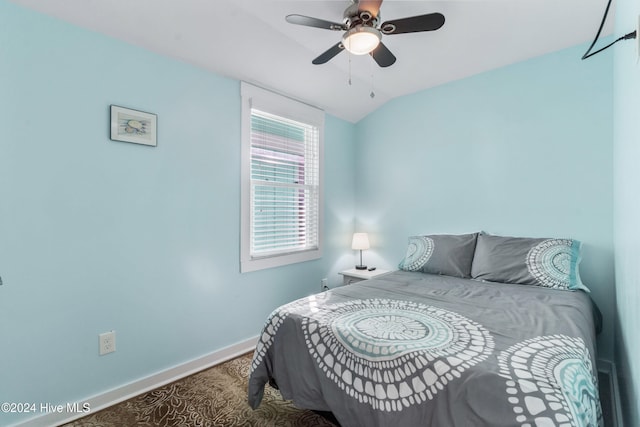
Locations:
column 284, row 185
column 281, row 180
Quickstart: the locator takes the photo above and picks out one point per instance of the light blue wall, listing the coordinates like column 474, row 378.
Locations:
column 627, row 209
column 98, row 235
column 525, row 150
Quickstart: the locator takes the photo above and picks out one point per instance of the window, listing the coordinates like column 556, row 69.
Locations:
column 281, row 183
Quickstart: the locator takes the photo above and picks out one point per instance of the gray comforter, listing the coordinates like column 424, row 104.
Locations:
column 413, row 349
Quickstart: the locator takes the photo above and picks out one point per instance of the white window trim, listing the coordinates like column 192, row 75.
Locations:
column 253, row 96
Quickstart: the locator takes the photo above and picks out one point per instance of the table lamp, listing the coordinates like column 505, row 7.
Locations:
column 360, row 242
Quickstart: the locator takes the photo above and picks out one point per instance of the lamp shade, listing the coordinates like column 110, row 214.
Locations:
column 361, row 40
column 360, row 241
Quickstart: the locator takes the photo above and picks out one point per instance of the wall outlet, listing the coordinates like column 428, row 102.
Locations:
column 324, row 284
column 107, row 342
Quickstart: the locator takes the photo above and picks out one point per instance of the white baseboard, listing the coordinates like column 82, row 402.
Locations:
column 609, row 368
column 120, row 394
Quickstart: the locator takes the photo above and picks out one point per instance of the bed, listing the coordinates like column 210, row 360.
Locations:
column 441, row 342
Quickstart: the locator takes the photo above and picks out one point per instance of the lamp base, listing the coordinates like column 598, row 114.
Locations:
column 361, row 267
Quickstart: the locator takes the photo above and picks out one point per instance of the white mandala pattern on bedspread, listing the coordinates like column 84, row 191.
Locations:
column 551, row 382
column 273, row 323
column 392, row 354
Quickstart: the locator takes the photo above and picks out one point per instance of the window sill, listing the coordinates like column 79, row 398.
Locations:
column 248, row 265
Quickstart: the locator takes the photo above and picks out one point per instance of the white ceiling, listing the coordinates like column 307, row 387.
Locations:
column 249, row 40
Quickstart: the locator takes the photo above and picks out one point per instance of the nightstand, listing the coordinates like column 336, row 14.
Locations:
column 352, row 275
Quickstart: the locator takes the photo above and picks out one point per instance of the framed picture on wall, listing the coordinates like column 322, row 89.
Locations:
column 133, row 126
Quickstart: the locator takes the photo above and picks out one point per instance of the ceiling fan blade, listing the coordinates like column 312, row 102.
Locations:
column 383, row 56
column 413, row 24
column 371, row 6
column 330, row 53
column 314, row 22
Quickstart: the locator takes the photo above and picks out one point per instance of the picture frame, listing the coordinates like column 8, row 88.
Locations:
column 133, row 126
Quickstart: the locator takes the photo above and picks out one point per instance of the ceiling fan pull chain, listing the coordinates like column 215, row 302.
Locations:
column 349, row 68
column 372, row 94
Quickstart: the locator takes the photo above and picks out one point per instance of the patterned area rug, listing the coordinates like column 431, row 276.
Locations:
column 214, row 397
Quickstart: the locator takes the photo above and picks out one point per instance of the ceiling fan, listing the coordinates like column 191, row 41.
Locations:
column 363, row 33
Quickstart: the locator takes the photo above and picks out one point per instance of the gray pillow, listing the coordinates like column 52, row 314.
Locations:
column 551, row 263
column 447, row 254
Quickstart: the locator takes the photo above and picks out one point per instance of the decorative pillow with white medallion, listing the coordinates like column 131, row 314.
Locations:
column 551, row 263
column 446, row 254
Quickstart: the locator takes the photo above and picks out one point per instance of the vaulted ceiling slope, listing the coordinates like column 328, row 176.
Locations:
column 250, row 40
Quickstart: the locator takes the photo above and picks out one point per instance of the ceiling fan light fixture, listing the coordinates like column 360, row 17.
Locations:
column 361, row 39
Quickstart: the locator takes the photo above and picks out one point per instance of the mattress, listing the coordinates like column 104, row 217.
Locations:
column 410, row 349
